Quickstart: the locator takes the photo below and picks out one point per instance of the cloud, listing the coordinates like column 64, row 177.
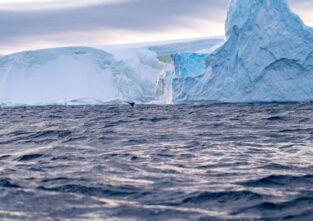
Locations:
column 105, row 20
column 30, row 5
column 137, row 15
column 101, row 22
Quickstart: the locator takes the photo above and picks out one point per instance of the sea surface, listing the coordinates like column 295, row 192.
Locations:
column 172, row 162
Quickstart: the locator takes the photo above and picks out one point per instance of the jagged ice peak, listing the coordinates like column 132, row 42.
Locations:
column 259, row 16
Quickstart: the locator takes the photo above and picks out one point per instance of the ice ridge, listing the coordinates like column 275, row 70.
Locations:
column 267, row 56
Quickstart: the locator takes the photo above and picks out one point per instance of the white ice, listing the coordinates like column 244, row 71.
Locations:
column 267, row 56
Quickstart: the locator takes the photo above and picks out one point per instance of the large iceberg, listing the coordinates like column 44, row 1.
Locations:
column 267, row 56
column 84, row 75
column 76, row 75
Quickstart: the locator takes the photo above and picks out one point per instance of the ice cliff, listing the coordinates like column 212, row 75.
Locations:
column 267, row 56
column 76, row 75
column 84, row 75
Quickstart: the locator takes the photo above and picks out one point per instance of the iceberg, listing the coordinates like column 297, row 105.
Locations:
column 175, row 85
column 85, row 75
column 267, row 56
column 74, row 75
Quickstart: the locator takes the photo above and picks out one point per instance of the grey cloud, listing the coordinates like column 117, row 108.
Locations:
column 140, row 15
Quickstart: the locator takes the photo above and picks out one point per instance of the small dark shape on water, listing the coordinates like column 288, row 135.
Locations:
column 275, row 118
column 132, row 104
column 29, row 157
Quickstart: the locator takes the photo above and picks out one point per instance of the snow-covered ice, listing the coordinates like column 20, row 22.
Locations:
column 75, row 75
column 267, row 56
column 84, row 75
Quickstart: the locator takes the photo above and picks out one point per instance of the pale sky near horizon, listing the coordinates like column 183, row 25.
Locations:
column 34, row 24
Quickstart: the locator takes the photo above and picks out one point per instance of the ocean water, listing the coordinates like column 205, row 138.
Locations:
column 170, row 162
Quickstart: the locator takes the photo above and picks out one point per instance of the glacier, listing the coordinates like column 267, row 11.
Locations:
column 75, row 75
column 266, row 56
column 87, row 75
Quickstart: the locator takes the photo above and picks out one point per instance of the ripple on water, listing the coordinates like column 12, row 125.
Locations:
column 169, row 162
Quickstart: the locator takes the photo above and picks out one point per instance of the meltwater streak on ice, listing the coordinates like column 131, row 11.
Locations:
column 177, row 162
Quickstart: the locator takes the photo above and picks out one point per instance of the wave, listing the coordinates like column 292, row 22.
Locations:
column 281, row 181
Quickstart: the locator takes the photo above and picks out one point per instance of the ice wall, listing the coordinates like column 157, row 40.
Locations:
column 75, row 75
column 267, row 56
column 82, row 75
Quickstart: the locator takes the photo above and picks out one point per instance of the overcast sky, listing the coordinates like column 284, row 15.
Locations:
column 33, row 24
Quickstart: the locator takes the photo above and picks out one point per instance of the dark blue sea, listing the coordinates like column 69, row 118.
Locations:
column 172, row 162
